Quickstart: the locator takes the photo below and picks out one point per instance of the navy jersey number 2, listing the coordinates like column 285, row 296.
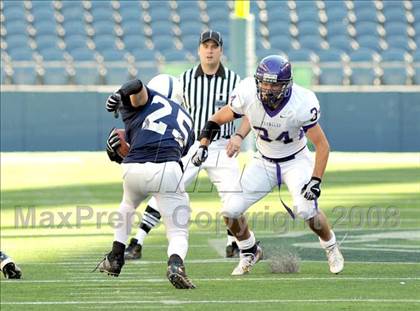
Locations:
column 161, row 131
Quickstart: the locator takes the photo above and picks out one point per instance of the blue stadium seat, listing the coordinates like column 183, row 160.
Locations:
column 416, row 78
column 311, row 42
column 113, row 55
column 189, row 14
column 367, row 28
column 331, row 55
column 17, row 41
column 103, row 4
column 280, row 41
column 103, row 27
column 162, row 27
column 395, row 75
column 144, row 55
column 362, row 76
column 55, row 75
column 332, row 75
column 190, row 43
column 364, row 5
column 395, row 16
column 116, row 74
column 46, row 28
column 308, row 28
column 14, row 13
column 134, row 42
column 15, row 27
column 362, row 55
column 277, row 10
column 308, row 14
column 103, row 42
column 218, row 13
column 336, row 14
column 416, row 56
column 279, row 25
column 399, row 41
column 21, row 54
column 337, row 28
column 340, row 42
column 102, row 14
column 52, row 54
column 25, row 75
column 133, row 27
column 74, row 27
column 75, row 41
column 86, row 74
column 163, row 42
column 159, row 14
column 191, row 28
column 126, row 6
column 131, row 15
column 74, row 11
column 147, row 70
column 175, row 55
column 301, row 55
column 366, row 16
column 371, row 42
column 395, row 28
column 46, row 42
column 44, row 16
column 82, row 54
column 394, row 55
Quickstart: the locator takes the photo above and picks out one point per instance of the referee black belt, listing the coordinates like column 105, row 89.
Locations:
column 281, row 160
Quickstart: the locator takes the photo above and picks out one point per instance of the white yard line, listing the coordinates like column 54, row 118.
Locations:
column 226, row 279
column 183, row 302
column 204, row 261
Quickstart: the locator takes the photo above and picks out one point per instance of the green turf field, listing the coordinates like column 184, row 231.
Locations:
column 373, row 201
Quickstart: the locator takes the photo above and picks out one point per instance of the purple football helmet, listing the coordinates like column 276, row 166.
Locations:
column 277, row 71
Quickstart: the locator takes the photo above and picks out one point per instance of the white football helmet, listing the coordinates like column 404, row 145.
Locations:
column 168, row 86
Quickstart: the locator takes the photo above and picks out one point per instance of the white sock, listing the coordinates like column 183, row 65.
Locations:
column 141, row 234
column 230, row 239
column 178, row 245
column 328, row 244
column 123, row 225
column 248, row 243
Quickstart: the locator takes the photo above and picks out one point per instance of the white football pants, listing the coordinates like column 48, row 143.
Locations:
column 223, row 171
column 261, row 176
column 163, row 181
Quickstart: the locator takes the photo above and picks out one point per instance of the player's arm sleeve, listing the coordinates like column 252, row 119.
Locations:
column 310, row 113
column 236, row 101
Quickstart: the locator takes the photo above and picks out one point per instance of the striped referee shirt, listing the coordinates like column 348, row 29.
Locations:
column 205, row 94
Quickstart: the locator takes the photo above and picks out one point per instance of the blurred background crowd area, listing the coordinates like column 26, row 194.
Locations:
column 106, row 42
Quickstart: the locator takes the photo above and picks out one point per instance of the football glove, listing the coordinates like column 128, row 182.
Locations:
column 113, row 102
column 312, row 190
column 200, row 155
column 112, row 144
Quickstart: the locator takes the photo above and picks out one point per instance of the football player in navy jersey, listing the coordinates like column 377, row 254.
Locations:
column 159, row 132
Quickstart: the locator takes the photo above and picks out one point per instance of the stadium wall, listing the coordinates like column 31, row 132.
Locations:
column 46, row 120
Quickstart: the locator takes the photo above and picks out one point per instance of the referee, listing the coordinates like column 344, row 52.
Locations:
column 206, row 87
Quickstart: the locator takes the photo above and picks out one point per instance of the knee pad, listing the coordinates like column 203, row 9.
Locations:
column 305, row 209
column 233, row 206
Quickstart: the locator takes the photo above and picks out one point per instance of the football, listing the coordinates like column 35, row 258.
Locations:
column 124, row 147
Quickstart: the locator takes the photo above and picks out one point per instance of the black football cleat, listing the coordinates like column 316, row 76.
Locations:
column 232, row 250
column 11, row 271
column 177, row 276
column 111, row 264
column 133, row 250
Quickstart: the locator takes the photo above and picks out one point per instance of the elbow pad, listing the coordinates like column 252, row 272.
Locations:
column 131, row 87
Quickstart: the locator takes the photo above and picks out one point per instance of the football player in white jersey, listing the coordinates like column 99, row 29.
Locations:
column 282, row 115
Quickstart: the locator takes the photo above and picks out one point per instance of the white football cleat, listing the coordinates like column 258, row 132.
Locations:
column 335, row 259
column 247, row 261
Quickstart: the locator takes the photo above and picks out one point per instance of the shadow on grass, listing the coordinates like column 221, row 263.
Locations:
column 111, row 193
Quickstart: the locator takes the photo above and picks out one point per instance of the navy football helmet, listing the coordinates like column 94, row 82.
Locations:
column 274, row 81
